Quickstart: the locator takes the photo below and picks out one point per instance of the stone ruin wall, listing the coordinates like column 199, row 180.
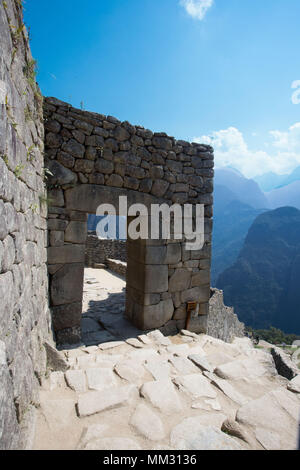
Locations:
column 94, row 159
column 24, row 312
column 222, row 322
column 99, row 251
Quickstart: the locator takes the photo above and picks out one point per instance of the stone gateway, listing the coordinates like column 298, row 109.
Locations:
column 95, row 159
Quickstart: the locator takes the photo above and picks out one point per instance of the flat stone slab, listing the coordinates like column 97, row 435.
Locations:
column 100, row 379
column 58, row 413
column 294, row 385
column 147, row 423
column 142, row 355
column 229, row 390
column 112, row 359
column 192, row 435
column 113, row 443
column 196, row 386
column 249, row 368
column 76, row 380
column 218, row 359
column 183, row 365
column 135, row 343
column 179, row 349
column 197, row 349
column 86, row 361
column 57, row 380
column 162, row 395
column 201, row 362
column 131, row 371
column 158, row 368
column 277, row 413
column 91, row 403
column 158, row 338
column 189, row 333
column 144, row 339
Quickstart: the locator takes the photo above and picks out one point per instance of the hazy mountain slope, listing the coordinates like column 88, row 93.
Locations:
column 264, row 283
column 232, row 221
column 285, row 196
column 270, row 181
column 246, row 190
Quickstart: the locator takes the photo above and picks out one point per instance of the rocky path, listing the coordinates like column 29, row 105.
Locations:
column 152, row 392
column 103, row 308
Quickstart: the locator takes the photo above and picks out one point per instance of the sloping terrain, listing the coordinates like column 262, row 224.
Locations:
column 187, row 392
column 263, row 284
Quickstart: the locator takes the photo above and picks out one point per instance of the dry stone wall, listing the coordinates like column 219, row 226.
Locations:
column 222, row 322
column 98, row 251
column 24, row 312
column 94, row 159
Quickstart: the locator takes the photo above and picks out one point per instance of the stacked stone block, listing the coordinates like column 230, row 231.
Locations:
column 98, row 251
column 94, row 159
column 24, row 312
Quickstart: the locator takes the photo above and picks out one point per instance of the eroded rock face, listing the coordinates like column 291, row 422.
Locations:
column 222, row 321
column 24, row 313
column 284, row 365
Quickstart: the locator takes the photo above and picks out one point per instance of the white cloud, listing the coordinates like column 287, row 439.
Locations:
column 231, row 149
column 197, row 8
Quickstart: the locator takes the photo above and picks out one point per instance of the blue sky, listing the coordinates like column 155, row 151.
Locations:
column 191, row 68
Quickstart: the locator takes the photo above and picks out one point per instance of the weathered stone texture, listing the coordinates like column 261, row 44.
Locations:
column 222, row 322
column 94, row 159
column 24, row 313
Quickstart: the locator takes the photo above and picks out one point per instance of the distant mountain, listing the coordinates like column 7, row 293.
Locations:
column 232, row 221
column 245, row 190
column 270, row 181
column 294, row 176
column 285, row 196
column 263, row 284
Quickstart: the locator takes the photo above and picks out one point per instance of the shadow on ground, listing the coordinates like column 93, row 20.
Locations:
column 105, row 321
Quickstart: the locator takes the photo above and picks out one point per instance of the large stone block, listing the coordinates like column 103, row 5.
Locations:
column 201, row 278
column 151, row 279
column 142, row 298
column 56, row 197
column 180, row 280
column 66, row 254
column 67, row 284
column 60, row 175
column 74, row 148
column 199, row 294
column 66, row 316
column 76, row 232
column 152, row 316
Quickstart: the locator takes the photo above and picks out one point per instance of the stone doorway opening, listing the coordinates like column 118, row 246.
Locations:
column 104, row 287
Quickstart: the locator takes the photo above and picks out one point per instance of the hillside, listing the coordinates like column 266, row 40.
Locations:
column 288, row 195
column 232, row 221
column 263, row 284
column 245, row 190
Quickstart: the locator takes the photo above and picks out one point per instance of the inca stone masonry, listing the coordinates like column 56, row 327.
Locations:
column 85, row 159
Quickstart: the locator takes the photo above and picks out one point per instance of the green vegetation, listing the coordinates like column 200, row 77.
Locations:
column 30, row 72
column 5, row 159
column 273, row 335
column 28, row 114
column 18, row 170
